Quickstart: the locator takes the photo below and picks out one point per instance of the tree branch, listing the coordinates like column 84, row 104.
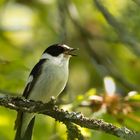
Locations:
column 17, row 103
column 123, row 34
column 103, row 66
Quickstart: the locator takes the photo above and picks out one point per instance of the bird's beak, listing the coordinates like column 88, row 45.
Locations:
column 70, row 51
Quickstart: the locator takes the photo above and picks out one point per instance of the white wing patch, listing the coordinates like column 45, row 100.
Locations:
column 30, row 79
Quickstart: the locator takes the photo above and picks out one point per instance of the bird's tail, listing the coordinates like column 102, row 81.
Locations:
column 18, row 126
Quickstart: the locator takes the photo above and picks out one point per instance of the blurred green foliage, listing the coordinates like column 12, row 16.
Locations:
column 28, row 27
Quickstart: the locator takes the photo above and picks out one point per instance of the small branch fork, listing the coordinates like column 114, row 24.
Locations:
column 68, row 118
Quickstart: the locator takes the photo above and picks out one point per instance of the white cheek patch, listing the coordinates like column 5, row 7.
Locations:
column 30, row 79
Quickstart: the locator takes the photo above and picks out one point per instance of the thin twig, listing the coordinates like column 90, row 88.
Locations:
column 123, row 34
column 62, row 21
column 104, row 63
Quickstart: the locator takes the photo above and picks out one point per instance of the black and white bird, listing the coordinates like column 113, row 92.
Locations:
column 48, row 78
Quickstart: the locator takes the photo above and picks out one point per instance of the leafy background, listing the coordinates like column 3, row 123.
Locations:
column 104, row 77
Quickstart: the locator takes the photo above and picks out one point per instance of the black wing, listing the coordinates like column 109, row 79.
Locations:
column 36, row 71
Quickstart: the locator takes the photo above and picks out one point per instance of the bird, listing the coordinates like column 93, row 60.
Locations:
column 47, row 79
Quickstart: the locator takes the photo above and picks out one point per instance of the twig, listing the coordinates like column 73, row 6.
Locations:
column 64, row 116
column 62, row 21
column 104, row 64
column 123, row 34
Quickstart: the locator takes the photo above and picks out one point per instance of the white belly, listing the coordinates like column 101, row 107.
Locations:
column 50, row 83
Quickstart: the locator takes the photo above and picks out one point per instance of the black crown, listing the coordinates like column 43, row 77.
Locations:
column 55, row 50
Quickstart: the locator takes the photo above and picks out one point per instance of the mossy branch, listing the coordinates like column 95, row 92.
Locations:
column 18, row 103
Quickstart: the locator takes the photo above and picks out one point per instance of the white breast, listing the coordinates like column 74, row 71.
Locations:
column 51, row 82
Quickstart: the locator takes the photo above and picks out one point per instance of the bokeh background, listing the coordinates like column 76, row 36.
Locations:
column 104, row 77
